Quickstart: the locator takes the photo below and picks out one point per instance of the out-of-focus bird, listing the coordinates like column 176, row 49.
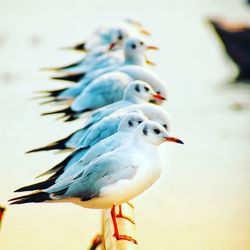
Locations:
column 104, row 35
column 134, row 51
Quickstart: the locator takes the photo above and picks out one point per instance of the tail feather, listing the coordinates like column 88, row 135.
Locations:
column 35, row 197
column 59, row 145
column 70, row 77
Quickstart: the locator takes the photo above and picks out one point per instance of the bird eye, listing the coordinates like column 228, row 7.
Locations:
column 139, row 122
column 137, row 88
column 141, row 43
column 157, row 131
column 146, row 88
column 165, row 126
column 130, row 124
column 133, row 46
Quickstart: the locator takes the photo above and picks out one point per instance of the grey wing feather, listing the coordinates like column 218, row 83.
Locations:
column 103, row 172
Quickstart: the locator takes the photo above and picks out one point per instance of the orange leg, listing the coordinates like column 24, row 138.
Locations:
column 116, row 231
column 121, row 215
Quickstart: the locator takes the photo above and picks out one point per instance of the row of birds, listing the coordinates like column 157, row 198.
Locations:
column 115, row 152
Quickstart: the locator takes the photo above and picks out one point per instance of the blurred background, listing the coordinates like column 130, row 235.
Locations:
column 202, row 201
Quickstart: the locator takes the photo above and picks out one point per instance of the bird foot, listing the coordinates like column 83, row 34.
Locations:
column 125, row 237
column 131, row 205
column 125, row 217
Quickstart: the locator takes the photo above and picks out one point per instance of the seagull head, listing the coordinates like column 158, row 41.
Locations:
column 118, row 37
column 134, row 49
column 139, row 91
column 154, row 133
column 131, row 121
column 156, row 113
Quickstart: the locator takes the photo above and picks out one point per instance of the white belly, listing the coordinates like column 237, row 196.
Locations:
column 125, row 190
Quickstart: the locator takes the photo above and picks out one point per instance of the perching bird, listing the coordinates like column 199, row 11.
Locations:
column 104, row 35
column 86, row 154
column 108, row 96
column 134, row 50
column 113, row 178
column 107, row 120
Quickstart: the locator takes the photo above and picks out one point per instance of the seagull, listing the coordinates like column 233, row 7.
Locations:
column 134, row 50
column 134, row 92
column 113, row 178
column 102, row 56
column 107, row 119
column 104, row 35
column 86, row 154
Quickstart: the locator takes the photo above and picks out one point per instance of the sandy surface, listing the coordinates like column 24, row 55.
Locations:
column 202, row 201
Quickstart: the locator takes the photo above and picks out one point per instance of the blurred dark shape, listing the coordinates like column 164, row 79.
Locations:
column 2, row 210
column 248, row 1
column 35, row 40
column 96, row 242
column 236, row 41
column 3, row 39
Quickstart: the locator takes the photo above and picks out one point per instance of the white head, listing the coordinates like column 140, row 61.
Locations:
column 156, row 113
column 140, row 91
column 131, row 121
column 153, row 133
column 118, row 37
column 134, row 49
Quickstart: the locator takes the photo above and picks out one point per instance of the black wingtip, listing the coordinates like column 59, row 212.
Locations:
column 66, row 111
column 35, row 197
column 80, row 47
column 70, row 77
column 58, row 145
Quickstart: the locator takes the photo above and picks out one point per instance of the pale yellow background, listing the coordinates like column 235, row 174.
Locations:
column 202, row 201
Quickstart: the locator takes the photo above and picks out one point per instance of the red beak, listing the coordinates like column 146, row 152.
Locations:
column 173, row 139
column 111, row 46
column 159, row 97
column 152, row 47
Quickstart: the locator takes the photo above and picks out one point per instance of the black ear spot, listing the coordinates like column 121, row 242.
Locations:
column 145, row 131
column 146, row 88
column 133, row 46
column 130, row 124
column 165, row 126
column 139, row 122
column 137, row 88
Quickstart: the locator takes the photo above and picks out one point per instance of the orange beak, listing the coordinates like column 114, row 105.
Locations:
column 159, row 97
column 173, row 139
column 145, row 32
column 151, row 47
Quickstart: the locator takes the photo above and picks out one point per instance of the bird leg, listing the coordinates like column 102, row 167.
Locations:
column 130, row 204
column 121, row 215
column 116, row 231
